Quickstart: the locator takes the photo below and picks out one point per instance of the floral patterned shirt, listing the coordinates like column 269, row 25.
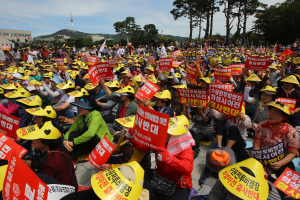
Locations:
column 270, row 138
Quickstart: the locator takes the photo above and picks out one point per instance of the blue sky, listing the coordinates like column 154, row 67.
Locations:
column 97, row 16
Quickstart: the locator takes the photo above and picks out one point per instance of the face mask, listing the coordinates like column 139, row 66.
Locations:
column 252, row 88
column 271, row 73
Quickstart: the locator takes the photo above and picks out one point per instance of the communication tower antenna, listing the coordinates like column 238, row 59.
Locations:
column 66, row 25
column 71, row 20
column 162, row 32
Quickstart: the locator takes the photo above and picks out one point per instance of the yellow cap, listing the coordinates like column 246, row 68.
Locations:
column 205, row 79
column 34, row 82
column 163, row 95
column 66, row 85
column 152, row 79
column 180, row 86
column 44, row 131
column 126, row 122
column 236, row 171
column 31, row 101
column 48, row 111
column 130, row 177
column 127, row 89
column 273, row 67
column 78, row 93
column 25, row 78
column 3, row 170
column 253, row 77
column 291, row 79
column 112, row 84
column 90, row 86
column 278, row 105
column 17, row 94
column 178, row 125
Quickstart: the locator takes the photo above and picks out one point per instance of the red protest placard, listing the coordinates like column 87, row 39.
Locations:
column 147, row 91
column 222, row 74
column 150, row 127
column 5, row 47
column 228, row 103
column 60, row 63
column 175, row 53
column 85, row 59
column 193, row 96
column 165, row 64
column 6, row 145
column 112, row 63
column 257, row 63
column 172, row 57
column 288, row 182
column 236, row 69
column 176, row 63
column 9, row 125
column 226, row 87
column 21, row 182
column 151, row 60
column 92, row 60
column 101, row 152
column 291, row 103
column 191, row 72
column 286, row 55
column 100, row 71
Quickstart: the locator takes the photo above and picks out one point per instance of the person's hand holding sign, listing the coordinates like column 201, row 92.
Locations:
column 163, row 155
column 105, row 167
column 276, row 165
column 241, row 116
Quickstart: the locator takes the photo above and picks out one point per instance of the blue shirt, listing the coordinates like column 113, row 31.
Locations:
column 97, row 96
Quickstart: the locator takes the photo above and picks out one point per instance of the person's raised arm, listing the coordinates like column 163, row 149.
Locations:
column 282, row 70
column 105, row 88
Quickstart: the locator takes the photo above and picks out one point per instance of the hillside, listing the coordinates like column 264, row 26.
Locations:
column 77, row 34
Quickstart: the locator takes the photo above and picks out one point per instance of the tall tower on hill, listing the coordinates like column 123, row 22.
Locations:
column 71, row 20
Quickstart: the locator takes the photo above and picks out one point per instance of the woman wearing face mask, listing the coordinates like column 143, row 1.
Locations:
column 266, row 96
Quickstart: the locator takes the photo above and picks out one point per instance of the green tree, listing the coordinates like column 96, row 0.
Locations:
column 120, row 29
column 185, row 8
column 129, row 23
column 279, row 22
column 151, row 33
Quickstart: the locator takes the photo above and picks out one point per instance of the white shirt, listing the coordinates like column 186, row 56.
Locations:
column 31, row 57
column 16, row 55
column 70, row 99
column 163, row 52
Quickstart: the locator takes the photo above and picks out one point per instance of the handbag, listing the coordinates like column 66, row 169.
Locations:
column 163, row 185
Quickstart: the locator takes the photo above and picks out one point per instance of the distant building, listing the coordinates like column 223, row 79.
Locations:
column 61, row 37
column 7, row 34
column 96, row 37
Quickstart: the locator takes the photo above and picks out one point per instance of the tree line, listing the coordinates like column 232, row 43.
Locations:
column 271, row 25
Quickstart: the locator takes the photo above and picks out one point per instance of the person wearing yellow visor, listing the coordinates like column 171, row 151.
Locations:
column 289, row 90
column 109, row 107
column 127, row 106
column 275, row 130
column 51, row 90
column 53, row 159
column 162, row 105
column 274, row 74
column 173, row 156
column 231, row 131
column 265, row 96
column 64, row 107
